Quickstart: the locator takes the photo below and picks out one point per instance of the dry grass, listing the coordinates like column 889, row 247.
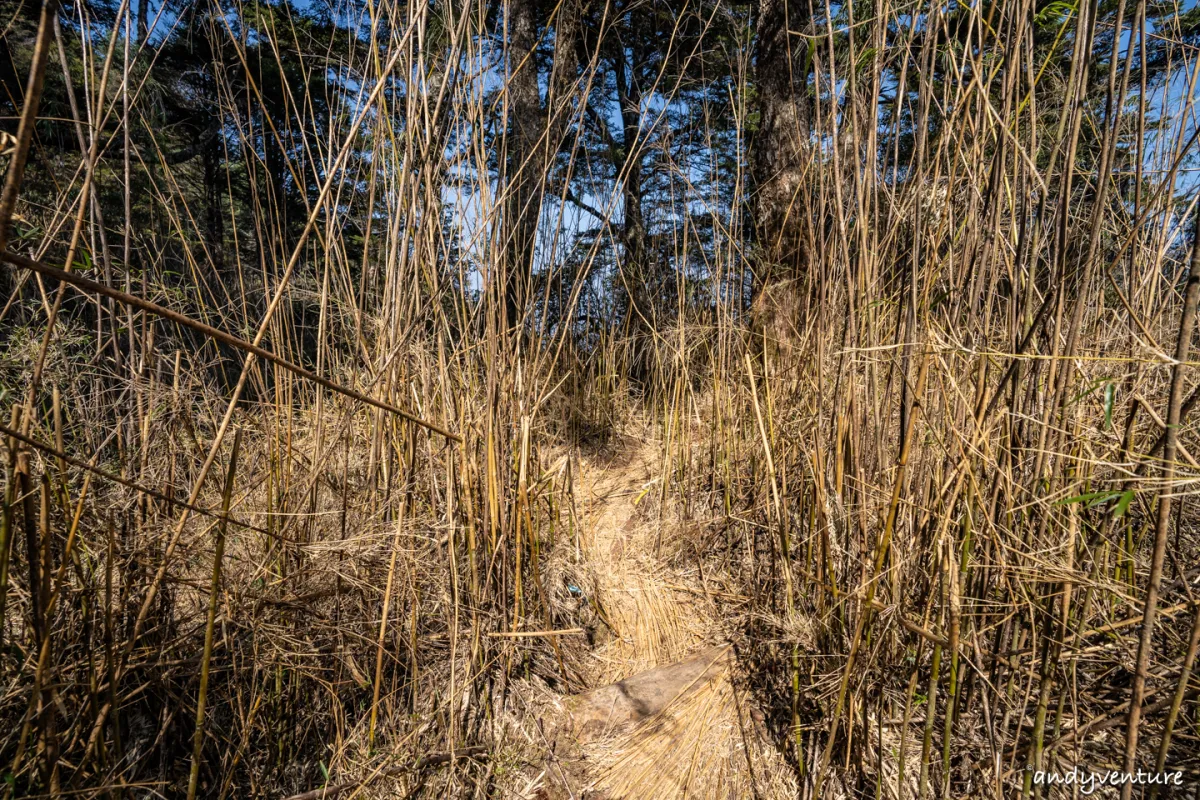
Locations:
column 923, row 452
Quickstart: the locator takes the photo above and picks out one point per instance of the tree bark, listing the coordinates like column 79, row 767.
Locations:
column 213, row 217
column 527, row 146
column 629, row 97
column 780, row 143
column 536, row 133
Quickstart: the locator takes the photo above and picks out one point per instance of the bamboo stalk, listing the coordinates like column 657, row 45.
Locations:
column 872, row 584
column 1182, row 348
column 210, row 620
column 1181, row 687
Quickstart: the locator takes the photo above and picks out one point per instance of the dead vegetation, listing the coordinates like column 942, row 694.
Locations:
column 632, row 400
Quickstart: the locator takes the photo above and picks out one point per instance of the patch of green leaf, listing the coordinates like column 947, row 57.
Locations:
column 1055, row 13
column 1094, row 499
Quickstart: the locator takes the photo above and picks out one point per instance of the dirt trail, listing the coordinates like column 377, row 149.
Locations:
column 653, row 623
column 664, row 720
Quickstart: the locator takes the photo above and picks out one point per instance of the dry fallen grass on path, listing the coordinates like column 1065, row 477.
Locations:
column 885, row 320
column 662, row 721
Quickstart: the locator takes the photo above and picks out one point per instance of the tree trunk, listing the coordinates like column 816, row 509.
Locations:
column 527, row 146
column 635, row 267
column 143, row 19
column 214, row 219
column 780, row 143
column 638, row 268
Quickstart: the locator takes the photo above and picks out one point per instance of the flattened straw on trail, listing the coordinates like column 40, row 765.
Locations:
column 692, row 747
column 673, row 728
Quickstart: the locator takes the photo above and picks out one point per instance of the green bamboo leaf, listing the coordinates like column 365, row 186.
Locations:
column 1102, row 500
column 1123, row 504
column 1092, row 499
column 84, row 263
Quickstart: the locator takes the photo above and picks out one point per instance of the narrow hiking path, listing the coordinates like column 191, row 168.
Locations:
column 664, row 718
column 653, row 621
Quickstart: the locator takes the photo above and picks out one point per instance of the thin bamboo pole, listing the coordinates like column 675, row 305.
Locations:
column 210, row 620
